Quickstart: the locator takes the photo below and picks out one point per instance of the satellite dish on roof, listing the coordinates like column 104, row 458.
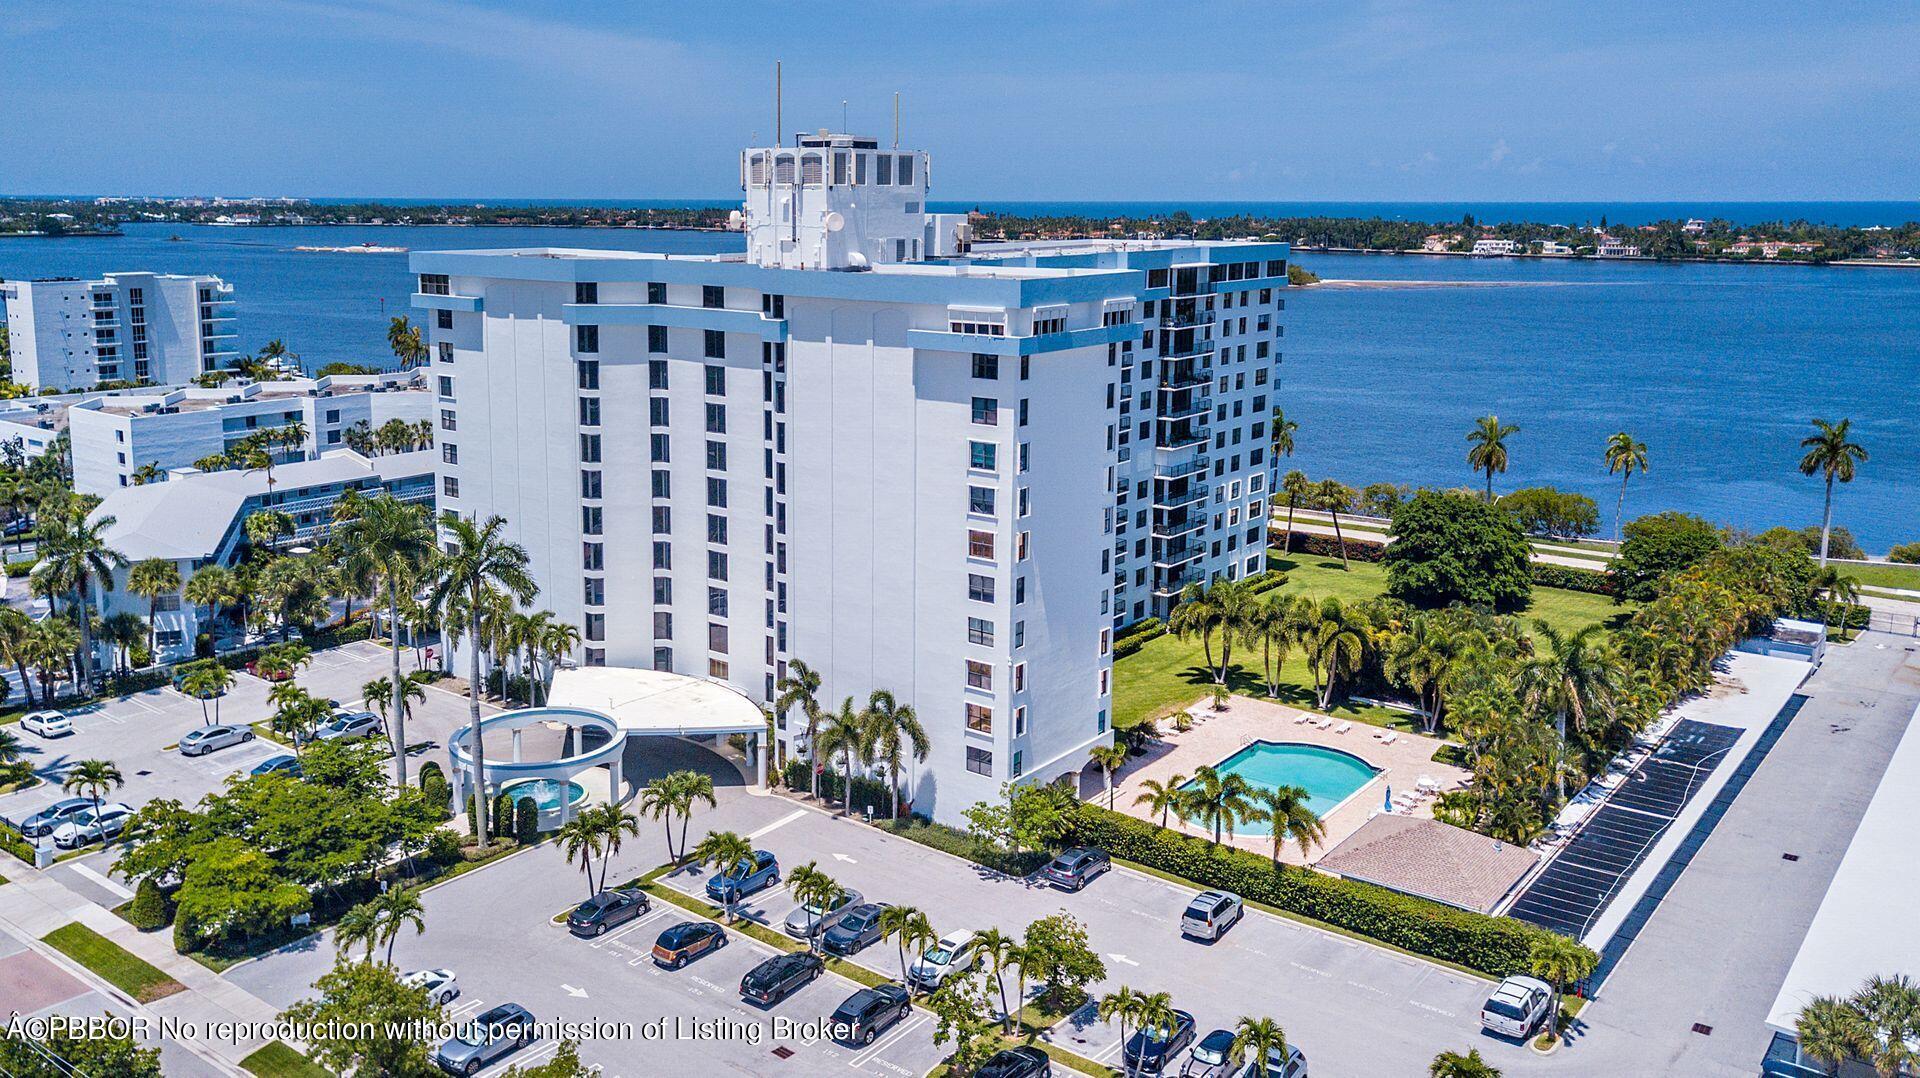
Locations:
column 835, row 222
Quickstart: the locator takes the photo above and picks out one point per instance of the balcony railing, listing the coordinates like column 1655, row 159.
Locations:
column 1171, row 584
column 1192, row 495
column 1171, row 472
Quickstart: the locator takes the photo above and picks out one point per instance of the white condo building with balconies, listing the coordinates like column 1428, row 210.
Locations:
column 66, row 333
column 945, row 472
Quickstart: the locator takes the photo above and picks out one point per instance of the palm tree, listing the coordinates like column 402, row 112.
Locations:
column 1831, row 454
column 1156, row 1014
column 1280, row 434
column 1284, row 808
column 266, row 527
column 208, row 680
column 1219, row 801
column 1123, row 1005
column 893, row 730
column 1331, row 495
column 379, row 694
column 801, row 687
column 1560, row 961
column 276, row 351
column 1332, row 643
column 1274, row 626
column 17, row 637
column 75, row 553
column 845, row 733
column 1163, row 797
column 1420, row 657
column 1197, row 615
column 996, row 947
column 1572, row 676
column 909, row 928
column 53, row 645
column 657, row 799
column 1488, row 454
column 1299, row 491
column 93, row 778
column 394, row 909
column 1839, row 592
column 1889, row 1010
column 122, row 631
column 688, row 788
column 405, row 340
column 393, row 542
column 580, row 840
column 297, row 713
column 815, row 891
column 1259, row 1039
column 1110, row 758
column 1626, row 456
column 213, row 588
column 555, row 641
column 721, row 850
column 1455, row 1065
column 150, row 579
column 613, row 821
column 1238, row 612
column 1830, row 1031
column 478, row 559
column 357, row 926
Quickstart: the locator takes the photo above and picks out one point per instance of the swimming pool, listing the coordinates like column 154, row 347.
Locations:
column 1328, row 775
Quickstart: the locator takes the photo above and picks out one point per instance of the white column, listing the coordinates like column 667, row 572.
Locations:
column 613, row 782
column 759, row 758
column 516, row 746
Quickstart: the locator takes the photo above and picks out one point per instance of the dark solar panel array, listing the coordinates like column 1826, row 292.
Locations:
column 1568, row 895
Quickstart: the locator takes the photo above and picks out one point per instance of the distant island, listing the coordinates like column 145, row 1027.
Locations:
column 1689, row 239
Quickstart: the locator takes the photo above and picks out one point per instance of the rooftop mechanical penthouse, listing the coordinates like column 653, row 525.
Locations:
column 946, row 471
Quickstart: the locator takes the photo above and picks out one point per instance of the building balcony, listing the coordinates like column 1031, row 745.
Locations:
column 1184, row 436
column 1194, row 494
column 1184, row 526
column 945, row 341
column 1187, row 319
column 1180, row 383
column 1174, row 555
column 428, row 302
column 1195, row 406
column 1200, row 350
column 217, row 332
column 1171, row 584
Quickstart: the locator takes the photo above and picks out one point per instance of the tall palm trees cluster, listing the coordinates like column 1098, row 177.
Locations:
column 377, row 922
column 594, row 833
column 1878, row 1024
column 1222, row 802
column 1334, row 638
column 1254, row 1039
column 674, row 796
column 393, row 436
column 878, row 738
column 1326, row 496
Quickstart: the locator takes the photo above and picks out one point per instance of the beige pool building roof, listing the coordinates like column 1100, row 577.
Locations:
column 1424, row 857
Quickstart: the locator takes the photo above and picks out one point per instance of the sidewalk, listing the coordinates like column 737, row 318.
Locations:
column 35, row 904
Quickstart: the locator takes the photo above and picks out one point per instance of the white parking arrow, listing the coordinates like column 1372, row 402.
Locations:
column 577, row 993
column 1122, row 958
column 844, row 857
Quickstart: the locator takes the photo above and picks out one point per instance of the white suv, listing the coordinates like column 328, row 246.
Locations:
column 955, row 953
column 1517, row 1006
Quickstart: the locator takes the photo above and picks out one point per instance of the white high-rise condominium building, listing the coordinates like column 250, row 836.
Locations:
column 915, row 466
column 66, row 333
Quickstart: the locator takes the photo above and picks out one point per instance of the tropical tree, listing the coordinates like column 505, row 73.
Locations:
column 1237, row 612
column 996, row 947
column 122, row 631
column 276, row 351
column 580, row 841
column 1488, row 448
column 409, row 347
column 266, row 527
column 17, row 636
column 1110, row 758
column 73, row 555
column 1574, row 677
column 907, row 927
column 1832, row 454
column 207, row 680
column 721, row 850
column 297, row 713
column 1420, row 657
column 479, row 558
column 1280, row 432
column 845, row 733
column 1332, row 496
column 391, row 543
column 555, row 640
column 1455, row 1065
column 1198, row 614
column 1284, row 810
column 1560, row 961
column 688, row 787
column 816, row 891
column 1156, row 1015
column 379, row 695
column 394, row 909
column 801, row 688
column 1122, row 1005
column 893, row 730
column 1333, row 642
column 1219, row 801
column 1163, row 797
column 1258, row 1039
column 613, row 822
column 1889, row 1024
column 1298, row 490
column 357, row 928
column 1830, row 1031
column 53, row 645
column 150, row 579
column 1625, row 456
column 93, row 779
column 1274, row 626
column 657, row 800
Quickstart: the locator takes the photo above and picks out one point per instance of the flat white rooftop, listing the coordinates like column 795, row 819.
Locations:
column 657, row 702
column 1869, row 923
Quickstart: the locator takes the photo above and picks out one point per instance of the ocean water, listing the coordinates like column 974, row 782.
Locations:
column 1718, row 368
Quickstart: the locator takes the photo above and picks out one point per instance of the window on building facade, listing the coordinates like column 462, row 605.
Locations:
column 593, row 557
column 979, row 588
column 450, row 486
column 716, row 419
column 980, row 500
column 716, row 381
column 979, row 761
column 980, row 631
column 980, row 544
column 594, row 591
column 986, row 411
column 982, row 456
column 716, row 344
column 586, row 338
column 657, row 342
column 979, row 674
column 586, row 292
column 589, row 373
column 590, row 448
column 980, row 718
column 716, row 565
column 590, row 484
column 986, row 366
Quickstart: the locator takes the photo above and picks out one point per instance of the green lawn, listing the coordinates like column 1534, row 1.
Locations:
column 1885, row 575
column 114, row 963
column 276, row 1060
column 1169, row 672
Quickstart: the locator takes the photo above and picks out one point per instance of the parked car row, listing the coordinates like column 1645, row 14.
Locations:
column 74, row 821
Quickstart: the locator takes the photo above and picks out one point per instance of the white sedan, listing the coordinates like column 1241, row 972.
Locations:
column 89, row 826
column 47, row 724
column 440, row 984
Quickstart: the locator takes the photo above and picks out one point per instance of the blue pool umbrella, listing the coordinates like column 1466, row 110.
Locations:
column 1389, row 805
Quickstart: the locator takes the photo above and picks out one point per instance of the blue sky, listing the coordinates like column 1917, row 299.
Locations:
column 1065, row 100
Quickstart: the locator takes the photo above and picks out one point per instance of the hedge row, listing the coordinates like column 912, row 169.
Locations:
column 1137, row 636
column 1568, row 578
column 868, row 794
column 1324, row 546
column 957, row 842
column 1496, row 946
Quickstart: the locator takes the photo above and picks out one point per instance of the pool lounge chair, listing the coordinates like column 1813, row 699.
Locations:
column 1304, row 718
column 1325, row 725
column 1343, row 728
column 1390, row 737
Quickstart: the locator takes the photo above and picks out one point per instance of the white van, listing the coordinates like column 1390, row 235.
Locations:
column 1517, row 1007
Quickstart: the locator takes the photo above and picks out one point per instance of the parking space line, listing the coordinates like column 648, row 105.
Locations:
column 102, row 879
column 468, row 1004
column 770, row 828
column 898, row 1033
column 638, row 923
column 526, row 1057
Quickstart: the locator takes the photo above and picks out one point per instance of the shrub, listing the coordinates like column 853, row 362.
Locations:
column 1568, row 578
column 500, row 815
column 473, row 819
column 1658, row 546
column 1452, row 548
column 1840, row 541
column 526, row 821
column 1906, row 553
column 430, row 772
column 186, row 937
column 1496, row 946
column 1323, row 546
column 960, row 844
column 1550, row 512
column 443, row 847
column 149, row 908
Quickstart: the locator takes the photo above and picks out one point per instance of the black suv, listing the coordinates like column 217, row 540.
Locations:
column 1150, row 1050
column 780, row 976
column 870, row 1012
column 860, row 927
column 604, row 910
column 1075, row 868
column 1025, row 1061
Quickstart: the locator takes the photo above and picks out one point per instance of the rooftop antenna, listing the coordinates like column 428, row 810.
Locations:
column 896, row 119
column 778, row 138
column 843, row 115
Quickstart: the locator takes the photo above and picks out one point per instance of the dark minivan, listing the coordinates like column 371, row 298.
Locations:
column 870, row 1012
column 780, row 976
column 1075, row 868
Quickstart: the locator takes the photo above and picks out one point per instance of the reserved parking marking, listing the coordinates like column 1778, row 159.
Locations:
column 1434, row 1009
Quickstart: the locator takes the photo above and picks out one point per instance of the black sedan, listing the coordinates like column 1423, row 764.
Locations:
column 606, row 909
column 860, row 927
column 870, row 1012
column 1025, row 1061
column 1150, row 1050
column 780, row 976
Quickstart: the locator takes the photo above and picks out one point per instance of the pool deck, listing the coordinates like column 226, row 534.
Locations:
column 1217, row 735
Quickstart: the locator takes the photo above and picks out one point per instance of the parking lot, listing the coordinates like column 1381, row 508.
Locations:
column 510, row 951
column 135, row 732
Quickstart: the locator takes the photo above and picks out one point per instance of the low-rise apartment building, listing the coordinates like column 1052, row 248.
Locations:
column 68, row 333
